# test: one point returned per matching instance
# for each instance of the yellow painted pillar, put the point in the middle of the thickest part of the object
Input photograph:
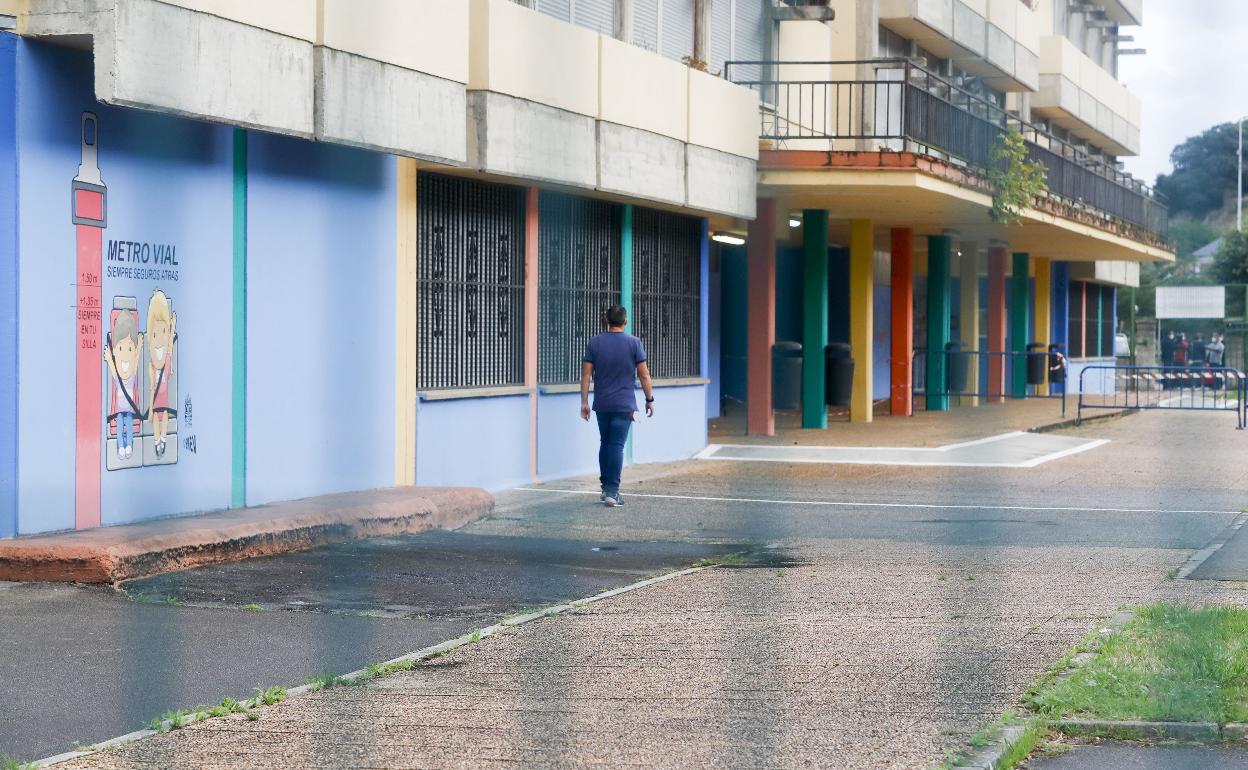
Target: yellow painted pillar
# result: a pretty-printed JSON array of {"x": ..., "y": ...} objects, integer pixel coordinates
[
  {"x": 968, "y": 316},
  {"x": 1044, "y": 298},
  {"x": 861, "y": 317},
  {"x": 405, "y": 326}
]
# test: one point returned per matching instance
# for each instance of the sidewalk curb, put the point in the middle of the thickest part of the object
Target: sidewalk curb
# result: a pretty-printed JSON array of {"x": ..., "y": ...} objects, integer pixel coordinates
[
  {"x": 1074, "y": 422},
  {"x": 1133, "y": 730},
  {"x": 992, "y": 757},
  {"x": 1194, "y": 561},
  {"x": 419, "y": 656}
]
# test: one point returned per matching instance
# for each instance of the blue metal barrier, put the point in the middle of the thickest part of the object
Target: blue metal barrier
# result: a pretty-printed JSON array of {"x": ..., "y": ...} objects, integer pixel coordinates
[
  {"x": 958, "y": 375},
  {"x": 1197, "y": 388}
]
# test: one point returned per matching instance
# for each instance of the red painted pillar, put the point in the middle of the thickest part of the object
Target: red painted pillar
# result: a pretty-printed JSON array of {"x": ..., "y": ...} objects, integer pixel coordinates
[
  {"x": 996, "y": 324},
  {"x": 761, "y": 319},
  {"x": 902, "y": 353}
]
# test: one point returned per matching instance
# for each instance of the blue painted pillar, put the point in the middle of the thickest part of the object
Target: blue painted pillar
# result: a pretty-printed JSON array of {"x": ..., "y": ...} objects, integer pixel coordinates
[
  {"x": 1061, "y": 305},
  {"x": 8, "y": 285},
  {"x": 1020, "y": 333},
  {"x": 939, "y": 248}
]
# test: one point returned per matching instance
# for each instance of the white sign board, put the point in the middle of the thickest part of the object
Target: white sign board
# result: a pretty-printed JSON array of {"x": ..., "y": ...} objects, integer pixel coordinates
[{"x": 1191, "y": 302}]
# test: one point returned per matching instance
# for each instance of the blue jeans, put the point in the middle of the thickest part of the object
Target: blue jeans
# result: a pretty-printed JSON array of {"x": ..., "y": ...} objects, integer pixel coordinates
[
  {"x": 125, "y": 430},
  {"x": 613, "y": 432}
]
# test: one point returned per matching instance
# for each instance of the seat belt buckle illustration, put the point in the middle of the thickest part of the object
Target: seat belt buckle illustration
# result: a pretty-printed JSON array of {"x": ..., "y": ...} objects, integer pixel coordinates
[{"x": 89, "y": 209}]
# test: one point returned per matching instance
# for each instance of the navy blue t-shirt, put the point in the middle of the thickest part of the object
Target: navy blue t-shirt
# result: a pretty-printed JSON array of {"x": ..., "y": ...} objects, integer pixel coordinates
[{"x": 615, "y": 356}]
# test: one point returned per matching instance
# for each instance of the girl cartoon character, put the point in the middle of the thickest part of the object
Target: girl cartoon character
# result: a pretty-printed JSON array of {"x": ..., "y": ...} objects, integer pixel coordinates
[
  {"x": 122, "y": 354},
  {"x": 162, "y": 340}
]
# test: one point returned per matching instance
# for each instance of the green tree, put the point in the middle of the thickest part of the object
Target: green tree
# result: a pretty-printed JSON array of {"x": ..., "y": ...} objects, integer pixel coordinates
[
  {"x": 1231, "y": 263},
  {"x": 1189, "y": 235},
  {"x": 1204, "y": 171}
]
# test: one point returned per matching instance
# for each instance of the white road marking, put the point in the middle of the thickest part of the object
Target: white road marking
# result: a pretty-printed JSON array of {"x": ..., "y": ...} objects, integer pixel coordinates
[{"x": 864, "y": 504}]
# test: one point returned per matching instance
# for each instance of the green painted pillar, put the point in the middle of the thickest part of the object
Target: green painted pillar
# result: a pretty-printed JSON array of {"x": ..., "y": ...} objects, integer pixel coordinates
[
  {"x": 626, "y": 289},
  {"x": 238, "y": 384},
  {"x": 1020, "y": 332},
  {"x": 939, "y": 248},
  {"x": 814, "y": 316}
]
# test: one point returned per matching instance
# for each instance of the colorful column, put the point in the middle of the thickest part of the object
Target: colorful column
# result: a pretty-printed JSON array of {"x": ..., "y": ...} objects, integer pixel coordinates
[
  {"x": 1060, "y": 277},
  {"x": 238, "y": 389},
  {"x": 90, "y": 217},
  {"x": 902, "y": 353},
  {"x": 405, "y": 343},
  {"x": 968, "y": 315},
  {"x": 1019, "y": 331},
  {"x": 939, "y": 248},
  {"x": 814, "y": 317},
  {"x": 1083, "y": 321},
  {"x": 861, "y": 318},
  {"x": 996, "y": 324},
  {"x": 8, "y": 285},
  {"x": 1044, "y": 321},
  {"x": 532, "y": 245},
  {"x": 761, "y": 315}
]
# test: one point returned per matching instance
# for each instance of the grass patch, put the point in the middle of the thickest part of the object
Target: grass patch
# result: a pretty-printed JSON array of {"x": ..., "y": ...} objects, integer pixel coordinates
[
  {"x": 253, "y": 607},
  {"x": 1172, "y": 662},
  {"x": 1033, "y": 733},
  {"x": 8, "y": 763}
]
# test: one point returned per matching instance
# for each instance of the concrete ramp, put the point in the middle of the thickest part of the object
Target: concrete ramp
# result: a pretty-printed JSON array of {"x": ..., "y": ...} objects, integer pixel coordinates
[{"x": 1009, "y": 450}]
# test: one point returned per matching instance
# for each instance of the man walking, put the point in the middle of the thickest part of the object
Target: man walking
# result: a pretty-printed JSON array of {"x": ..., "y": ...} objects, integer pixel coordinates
[{"x": 615, "y": 360}]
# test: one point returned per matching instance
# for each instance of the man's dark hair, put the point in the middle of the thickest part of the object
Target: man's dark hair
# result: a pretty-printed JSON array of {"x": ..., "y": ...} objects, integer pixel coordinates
[{"x": 615, "y": 315}]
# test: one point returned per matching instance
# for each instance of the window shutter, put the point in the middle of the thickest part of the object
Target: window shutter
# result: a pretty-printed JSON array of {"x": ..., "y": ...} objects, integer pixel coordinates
[
  {"x": 598, "y": 15},
  {"x": 677, "y": 41},
  {"x": 721, "y": 31},
  {"x": 646, "y": 24},
  {"x": 560, "y": 9}
]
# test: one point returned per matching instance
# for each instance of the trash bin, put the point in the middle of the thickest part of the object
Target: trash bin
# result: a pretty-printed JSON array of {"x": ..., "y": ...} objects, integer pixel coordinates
[
  {"x": 786, "y": 375},
  {"x": 1037, "y": 364},
  {"x": 958, "y": 361},
  {"x": 839, "y": 373},
  {"x": 1057, "y": 365}
]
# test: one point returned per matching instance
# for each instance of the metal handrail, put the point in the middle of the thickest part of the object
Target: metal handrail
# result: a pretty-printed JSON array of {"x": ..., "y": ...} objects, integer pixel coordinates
[{"x": 1065, "y": 162}]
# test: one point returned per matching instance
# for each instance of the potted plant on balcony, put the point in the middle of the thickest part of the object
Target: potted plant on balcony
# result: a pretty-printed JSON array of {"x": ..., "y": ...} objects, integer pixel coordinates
[{"x": 1017, "y": 182}]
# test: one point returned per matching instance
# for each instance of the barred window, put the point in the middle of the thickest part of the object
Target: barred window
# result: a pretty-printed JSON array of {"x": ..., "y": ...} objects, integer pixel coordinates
[
  {"x": 579, "y": 278},
  {"x": 470, "y": 277},
  {"x": 667, "y": 291}
]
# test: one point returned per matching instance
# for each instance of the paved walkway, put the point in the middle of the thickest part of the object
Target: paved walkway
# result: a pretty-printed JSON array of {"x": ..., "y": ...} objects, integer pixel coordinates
[{"x": 918, "y": 605}]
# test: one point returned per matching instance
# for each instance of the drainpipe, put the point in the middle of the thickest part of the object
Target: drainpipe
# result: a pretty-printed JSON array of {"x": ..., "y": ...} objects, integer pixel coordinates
[
  {"x": 702, "y": 30},
  {"x": 623, "y": 20}
]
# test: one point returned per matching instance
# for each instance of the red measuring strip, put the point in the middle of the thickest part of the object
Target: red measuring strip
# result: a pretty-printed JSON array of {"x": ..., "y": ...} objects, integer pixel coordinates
[{"x": 90, "y": 219}]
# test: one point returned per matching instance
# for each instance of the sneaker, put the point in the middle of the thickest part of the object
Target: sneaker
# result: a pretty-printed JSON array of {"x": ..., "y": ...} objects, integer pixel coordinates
[{"x": 610, "y": 501}]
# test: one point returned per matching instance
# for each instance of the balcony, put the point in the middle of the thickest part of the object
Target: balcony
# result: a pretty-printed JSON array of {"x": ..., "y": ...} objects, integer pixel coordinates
[{"x": 904, "y": 107}]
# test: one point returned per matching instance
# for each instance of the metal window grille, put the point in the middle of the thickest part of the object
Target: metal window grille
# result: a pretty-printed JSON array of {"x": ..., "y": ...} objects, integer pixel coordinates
[
  {"x": 667, "y": 291},
  {"x": 578, "y": 277},
  {"x": 470, "y": 278}
]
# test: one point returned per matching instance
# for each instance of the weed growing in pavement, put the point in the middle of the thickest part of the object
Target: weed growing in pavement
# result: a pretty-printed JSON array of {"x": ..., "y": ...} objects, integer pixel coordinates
[
  {"x": 8, "y": 763},
  {"x": 1172, "y": 574},
  {"x": 172, "y": 601},
  {"x": 253, "y": 607},
  {"x": 268, "y": 697},
  {"x": 171, "y": 720},
  {"x": 941, "y": 578},
  {"x": 1172, "y": 662}
]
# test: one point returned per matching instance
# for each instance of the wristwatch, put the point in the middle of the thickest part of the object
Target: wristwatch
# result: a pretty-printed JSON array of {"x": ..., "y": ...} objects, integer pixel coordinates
[{"x": 650, "y": 400}]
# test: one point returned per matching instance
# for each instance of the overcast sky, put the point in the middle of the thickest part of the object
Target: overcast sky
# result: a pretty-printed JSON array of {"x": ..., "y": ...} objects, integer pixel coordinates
[{"x": 1194, "y": 75}]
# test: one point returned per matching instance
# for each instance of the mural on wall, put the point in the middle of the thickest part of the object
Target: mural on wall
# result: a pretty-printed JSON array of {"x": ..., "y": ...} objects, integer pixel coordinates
[
  {"x": 88, "y": 212},
  {"x": 142, "y": 391}
]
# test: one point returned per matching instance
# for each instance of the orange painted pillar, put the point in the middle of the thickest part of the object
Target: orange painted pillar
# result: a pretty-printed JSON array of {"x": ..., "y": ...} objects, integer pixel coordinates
[
  {"x": 531, "y": 260},
  {"x": 760, "y": 319},
  {"x": 996, "y": 324},
  {"x": 902, "y": 354}
]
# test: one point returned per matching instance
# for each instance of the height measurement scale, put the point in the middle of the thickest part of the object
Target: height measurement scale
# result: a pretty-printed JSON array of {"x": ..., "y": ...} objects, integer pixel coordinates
[{"x": 90, "y": 218}]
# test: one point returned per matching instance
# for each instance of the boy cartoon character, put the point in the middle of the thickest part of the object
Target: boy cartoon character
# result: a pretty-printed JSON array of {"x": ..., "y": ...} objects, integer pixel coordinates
[
  {"x": 122, "y": 354},
  {"x": 162, "y": 340}
]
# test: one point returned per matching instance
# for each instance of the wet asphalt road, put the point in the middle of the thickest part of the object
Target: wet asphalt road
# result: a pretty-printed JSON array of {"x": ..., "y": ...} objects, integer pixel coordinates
[{"x": 88, "y": 664}]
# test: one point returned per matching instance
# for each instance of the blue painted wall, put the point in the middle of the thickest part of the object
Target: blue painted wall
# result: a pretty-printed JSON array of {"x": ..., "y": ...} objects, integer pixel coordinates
[
  {"x": 678, "y": 429},
  {"x": 566, "y": 444},
  {"x": 168, "y": 183},
  {"x": 479, "y": 442},
  {"x": 320, "y": 317},
  {"x": 8, "y": 284}
]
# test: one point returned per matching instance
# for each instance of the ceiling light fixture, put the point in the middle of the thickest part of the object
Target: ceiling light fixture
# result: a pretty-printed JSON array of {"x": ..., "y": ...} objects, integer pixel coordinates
[{"x": 728, "y": 238}]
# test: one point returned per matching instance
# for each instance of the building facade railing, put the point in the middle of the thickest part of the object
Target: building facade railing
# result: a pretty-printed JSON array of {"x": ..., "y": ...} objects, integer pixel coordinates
[{"x": 903, "y": 106}]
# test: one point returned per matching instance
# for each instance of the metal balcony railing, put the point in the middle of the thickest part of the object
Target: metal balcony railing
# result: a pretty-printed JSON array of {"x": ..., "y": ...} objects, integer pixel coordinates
[{"x": 904, "y": 106}]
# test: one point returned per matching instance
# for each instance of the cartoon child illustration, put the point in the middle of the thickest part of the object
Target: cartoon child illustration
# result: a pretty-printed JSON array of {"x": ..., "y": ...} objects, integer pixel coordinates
[
  {"x": 125, "y": 347},
  {"x": 162, "y": 340}
]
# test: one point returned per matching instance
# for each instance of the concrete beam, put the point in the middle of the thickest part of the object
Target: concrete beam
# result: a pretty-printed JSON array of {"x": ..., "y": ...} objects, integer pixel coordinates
[
  {"x": 640, "y": 164},
  {"x": 720, "y": 182},
  {"x": 377, "y": 106},
  {"x": 519, "y": 138}
]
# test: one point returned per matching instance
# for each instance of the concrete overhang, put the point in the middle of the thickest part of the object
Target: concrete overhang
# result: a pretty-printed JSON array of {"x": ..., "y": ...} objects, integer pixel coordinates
[
  {"x": 268, "y": 71},
  {"x": 929, "y": 205}
]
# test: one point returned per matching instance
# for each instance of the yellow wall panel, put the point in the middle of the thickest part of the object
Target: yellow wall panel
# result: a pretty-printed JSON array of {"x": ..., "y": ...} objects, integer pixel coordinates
[
  {"x": 722, "y": 116},
  {"x": 293, "y": 18},
  {"x": 643, "y": 90},
  {"x": 429, "y": 36}
]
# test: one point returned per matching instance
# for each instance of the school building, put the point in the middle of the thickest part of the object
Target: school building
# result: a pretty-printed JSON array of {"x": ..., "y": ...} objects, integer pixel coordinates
[{"x": 253, "y": 252}]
